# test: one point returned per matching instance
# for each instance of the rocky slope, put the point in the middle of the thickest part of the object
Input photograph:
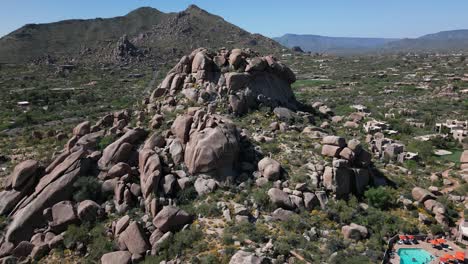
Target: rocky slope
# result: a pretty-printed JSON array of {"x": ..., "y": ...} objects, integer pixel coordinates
[
  {"x": 143, "y": 164},
  {"x": 156, "y": 34}
]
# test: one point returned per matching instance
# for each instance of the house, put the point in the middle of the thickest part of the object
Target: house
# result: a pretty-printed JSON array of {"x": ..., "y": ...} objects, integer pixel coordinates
[
  {"x": 458, "y": 129},
  {"x": 463, "y": 231},
  {"x": 374, "y": 126}
]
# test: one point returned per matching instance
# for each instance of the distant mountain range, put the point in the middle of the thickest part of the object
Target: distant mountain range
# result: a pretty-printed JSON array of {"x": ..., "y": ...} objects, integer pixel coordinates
[
  {"x": 446, "y": 41},
  {"x": 160, "y": 35}
]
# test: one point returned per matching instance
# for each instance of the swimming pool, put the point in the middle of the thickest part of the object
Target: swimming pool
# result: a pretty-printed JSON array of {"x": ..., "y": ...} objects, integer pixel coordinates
[{"x": 414, "y": 256}]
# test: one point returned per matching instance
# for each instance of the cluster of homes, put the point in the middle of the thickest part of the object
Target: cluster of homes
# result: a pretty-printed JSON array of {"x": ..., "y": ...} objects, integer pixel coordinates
[{"x": 458, "y": 129}]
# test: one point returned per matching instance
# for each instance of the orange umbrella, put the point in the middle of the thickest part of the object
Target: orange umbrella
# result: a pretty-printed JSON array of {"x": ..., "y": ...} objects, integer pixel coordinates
[
  {"x": 460, "y": 255},
  {"x": 441, "y": 241},
  {"x": 411, "y": 237},
  {"x": 402, "y": 237},
  {"x": 434, "y": 242},
  {"x": 442, "y": 259},
  {"x": 448, "y": 256}
]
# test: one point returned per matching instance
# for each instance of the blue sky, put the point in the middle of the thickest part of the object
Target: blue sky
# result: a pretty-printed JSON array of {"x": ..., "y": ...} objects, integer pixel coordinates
[{"x": 365, "y": 18}]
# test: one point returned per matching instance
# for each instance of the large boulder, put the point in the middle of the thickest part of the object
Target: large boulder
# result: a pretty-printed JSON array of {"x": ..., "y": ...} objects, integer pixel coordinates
[
  {"x": 150, "y": 171},
  {"x": 280, "y": 199},
  {"x": 354, "y": 231},
  {"x": 181, "y": 127},
  {"x": 134, "y": 238},
  {"x": 55, "y": 187},
  {"x": 334, "y": 141},
  {"x": 171, "y": 218},
  {"x": 331, "y": 151},
  {"x": 63, "y": 215},
  {"x": 270, "y": 169},
  {"x": 236, "y": 81},
  {"x": 273, "y": 87},
  {"x": 120, "y": 150},
  {"x": 23, "y": 172},
  {"x": 8, "y": 200},
  {"x": 117, "y": 257},
  {"x": 421, "y": 195},
  {"x": 201, "y": 62},
  {"x": 88, "y": 211},
  {"x": 213, "y": 150},
  {"x": 284, "y": 114},
  {"x": 82, "y": 129},
  {"x": 205, "y": 186}
]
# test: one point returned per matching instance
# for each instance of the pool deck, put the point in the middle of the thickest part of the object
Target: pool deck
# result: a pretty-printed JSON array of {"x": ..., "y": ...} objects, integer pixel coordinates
[{"x": 428, "y": 247}]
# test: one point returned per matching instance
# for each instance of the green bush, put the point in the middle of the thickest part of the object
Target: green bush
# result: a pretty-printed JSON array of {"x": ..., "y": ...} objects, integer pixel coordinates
[
  {"x": 209, "y": 210},
  {"x": 382, "y": 197},
  {"x": 87, "y": 188},
  {"x": 256, "y": 232},
  {"x": 75, "y": 234},
  {"x": 104, "y": 142},
  {"x": 94, "y": 239},
  {"x": 187, "y": 195},
  {"x": 184, "y": 243}
]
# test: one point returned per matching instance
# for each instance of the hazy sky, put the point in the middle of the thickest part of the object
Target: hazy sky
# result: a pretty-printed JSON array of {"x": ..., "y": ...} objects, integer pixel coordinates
[{"x": 365, "y": 18}]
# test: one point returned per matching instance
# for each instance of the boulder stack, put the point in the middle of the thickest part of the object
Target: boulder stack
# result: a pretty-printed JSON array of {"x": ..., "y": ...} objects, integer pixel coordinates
[{"x": 247, "y": 78}]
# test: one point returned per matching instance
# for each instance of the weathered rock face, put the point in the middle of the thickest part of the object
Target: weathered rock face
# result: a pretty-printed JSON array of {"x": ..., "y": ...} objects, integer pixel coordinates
[
  {"x": 120, "y": 150},
  {"x": 23, "y": 173},
  {"x": 181, "y": 127},
  {"x": 280, "y": 199},
  {"x": 354, "y": 231},
  {"x": 63, "y": 215},
  {"x": 270, "y": 169},
  {"x": 171, "y": 219},
  {"x": 117, "y": 257},
  {"x": 53, "y": 188},
  {"x": 134, "y": 239},
  {"x": 421, "y": 195},
  {"x": 249, "y": 79},
  {"x": 213, "y": 149}
]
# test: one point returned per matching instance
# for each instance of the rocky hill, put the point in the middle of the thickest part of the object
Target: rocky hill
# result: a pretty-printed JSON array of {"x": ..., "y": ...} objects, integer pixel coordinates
[
  {"x": 156, "y": 34},
  {"x": 185, "y": 173}
]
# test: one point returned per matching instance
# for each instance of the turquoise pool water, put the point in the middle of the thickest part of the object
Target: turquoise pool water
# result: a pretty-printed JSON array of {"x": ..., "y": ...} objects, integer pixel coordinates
[{"x": 414, "y": 256}]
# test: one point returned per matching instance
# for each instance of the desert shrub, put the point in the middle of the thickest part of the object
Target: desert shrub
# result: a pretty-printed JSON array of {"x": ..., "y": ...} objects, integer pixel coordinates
[
  {"x": 99, "y": 244},
  {"x": 104, "y": 142},
  {"x": 437, "y": 229},
  {"x": 209, "y": 210},
  {"x": 382, "y": 197},
  {"x": 261, "y": 198},
  {"x": 184, "y": 243},
  {"x": 75, "y": 234},
  {"x": 94, "y": 239},
  {"x": 87, "y": 188},
  {"x": 341, "y": 211},
  {"x": 256, "y": 232},
  {"x": 187, "y": 195}
]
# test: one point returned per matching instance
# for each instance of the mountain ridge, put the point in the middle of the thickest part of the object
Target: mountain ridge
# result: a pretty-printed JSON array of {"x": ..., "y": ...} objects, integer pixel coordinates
[
  {"x": 162, "y": 35},
  {"x": 443, "y": 41}
]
